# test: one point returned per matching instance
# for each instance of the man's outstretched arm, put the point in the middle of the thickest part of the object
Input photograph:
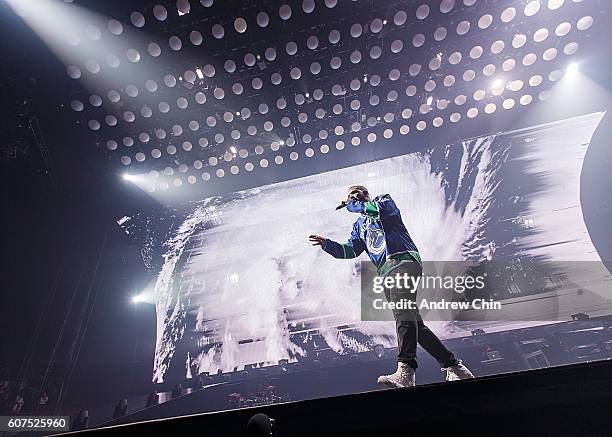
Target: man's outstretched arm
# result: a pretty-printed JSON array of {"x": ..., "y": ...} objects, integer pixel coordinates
[{"x": 350, "y": 249}]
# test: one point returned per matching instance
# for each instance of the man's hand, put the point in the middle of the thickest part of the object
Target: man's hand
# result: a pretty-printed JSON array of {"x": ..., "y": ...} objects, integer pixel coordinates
[{"x": 316, "y": 240}]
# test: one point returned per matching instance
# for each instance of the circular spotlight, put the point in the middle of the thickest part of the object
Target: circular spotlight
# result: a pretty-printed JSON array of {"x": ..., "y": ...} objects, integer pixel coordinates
[
  {"x": 160, "y": 12},
  {"x": 137, "y": 19},
  {"x": 115, "y": 27},
  {"x": 240, "y": 25},
  {"x": 263, "y": 19}
]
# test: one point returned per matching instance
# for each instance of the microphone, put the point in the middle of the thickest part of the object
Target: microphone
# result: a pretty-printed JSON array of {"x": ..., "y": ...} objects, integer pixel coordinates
[{"x": 342, "y": 205}]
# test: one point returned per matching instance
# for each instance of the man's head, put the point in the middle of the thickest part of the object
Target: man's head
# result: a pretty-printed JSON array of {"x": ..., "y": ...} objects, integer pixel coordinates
[{"x": 358, "y": 192}]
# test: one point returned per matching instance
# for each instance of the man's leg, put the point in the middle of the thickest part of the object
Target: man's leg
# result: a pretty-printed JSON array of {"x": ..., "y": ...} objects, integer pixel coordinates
[
  {"x": 404, "y": 376},
  {"x": 410, "y": 330},
  {"x": 434, "y": 347},
  {"x": 406, "y": 325},
  {"x": 453, "y": 367},
  {"x": 407, "y": 321},
  {"x": 407, "y": 337}
]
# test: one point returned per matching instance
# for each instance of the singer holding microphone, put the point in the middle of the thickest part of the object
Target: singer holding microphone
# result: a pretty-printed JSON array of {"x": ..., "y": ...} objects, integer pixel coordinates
[{"x": 380, "y": 231}]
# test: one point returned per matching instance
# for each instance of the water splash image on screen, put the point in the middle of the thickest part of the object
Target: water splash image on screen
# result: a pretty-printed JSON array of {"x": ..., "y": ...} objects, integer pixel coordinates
[{"x": 238, "y": 283}]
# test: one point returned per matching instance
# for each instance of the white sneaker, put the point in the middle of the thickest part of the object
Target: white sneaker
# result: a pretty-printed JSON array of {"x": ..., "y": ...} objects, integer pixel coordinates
[
  {"x": 457, "y": 372},
  {"x": 403, "y": 377}
]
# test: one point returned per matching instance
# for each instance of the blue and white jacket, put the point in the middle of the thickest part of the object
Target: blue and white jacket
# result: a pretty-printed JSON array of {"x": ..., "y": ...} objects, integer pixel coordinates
[{"x": 379, "y": 231}]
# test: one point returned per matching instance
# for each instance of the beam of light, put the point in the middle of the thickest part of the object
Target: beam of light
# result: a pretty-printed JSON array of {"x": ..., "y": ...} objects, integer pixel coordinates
[
  {"x": 145, "y": 296},
  {"x": 574, "y": 93},
  {"x": 572, "y": 69},
  {"x": 137, "y": 179},
  {"x": 73, "y": 33},
  {"x": 144, "y": 181},
  {"x": 138, "y": 298},
  {"x": 77, "y": 37}
]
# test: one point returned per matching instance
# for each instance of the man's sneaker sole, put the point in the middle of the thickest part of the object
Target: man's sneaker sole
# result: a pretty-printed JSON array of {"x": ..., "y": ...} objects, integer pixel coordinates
[{"x": 390, "y": 384}]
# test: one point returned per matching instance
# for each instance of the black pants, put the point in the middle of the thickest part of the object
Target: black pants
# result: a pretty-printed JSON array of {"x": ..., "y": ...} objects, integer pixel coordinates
[{"x": 409, "y": 324}]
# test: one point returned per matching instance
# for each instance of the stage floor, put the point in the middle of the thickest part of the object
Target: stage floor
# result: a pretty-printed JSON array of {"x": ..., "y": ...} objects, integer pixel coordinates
[{"x": 571, "y": 400}]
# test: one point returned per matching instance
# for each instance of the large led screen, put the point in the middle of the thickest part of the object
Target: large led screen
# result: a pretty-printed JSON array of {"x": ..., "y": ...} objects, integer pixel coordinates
[{"x": 238, "y": 283}]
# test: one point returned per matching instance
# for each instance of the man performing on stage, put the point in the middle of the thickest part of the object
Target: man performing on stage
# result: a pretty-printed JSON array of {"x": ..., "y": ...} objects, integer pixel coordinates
[{"x": 381, "y": 233}]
